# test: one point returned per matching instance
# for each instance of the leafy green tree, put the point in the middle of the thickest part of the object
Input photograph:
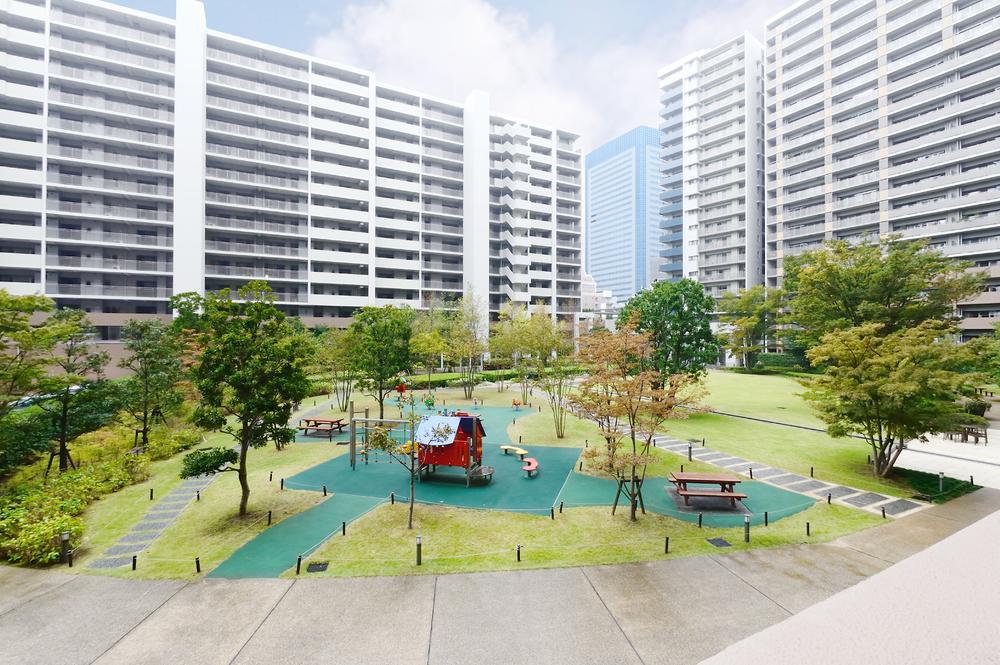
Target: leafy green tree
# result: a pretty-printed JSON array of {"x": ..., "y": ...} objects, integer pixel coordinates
[
  {"x": 466, "y": 343},
  {"x": 250, "y": 372},
  {"x": 428, "y": 346},
  {"x": 750, "y": 319},
  {"x": 510, "y": 340},
  {"x": 891, "y": 388},
  {"x": 383, "y": 349},
  {"x": 678, "y": 315},
  {"x": 897, "y": 284},
  {"x": 75, "y": 396},
  {"x": 154, "y": 361},
  {"x": 335, "y": 361},
  {"x": 25, "y": 346},
  {"x": 551, "y": 347}
]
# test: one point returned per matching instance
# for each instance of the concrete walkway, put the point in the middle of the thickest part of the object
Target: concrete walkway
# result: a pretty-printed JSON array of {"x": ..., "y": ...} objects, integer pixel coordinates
[
  {"x": 956, "y": 459},
  {"x": 849, "y": 496},
  {"x": 673, "y": 611},
  {"x": 159, "y": 516}
]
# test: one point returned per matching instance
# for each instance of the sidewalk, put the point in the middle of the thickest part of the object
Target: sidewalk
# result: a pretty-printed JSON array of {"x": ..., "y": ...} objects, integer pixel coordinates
[
  {"x": 956, "y": 459},
  {"x": 673, "y": 611}
]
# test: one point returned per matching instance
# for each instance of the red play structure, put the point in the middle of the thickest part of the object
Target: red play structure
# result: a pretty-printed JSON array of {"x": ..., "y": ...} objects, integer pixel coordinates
[{"x": 455, "y": 441}]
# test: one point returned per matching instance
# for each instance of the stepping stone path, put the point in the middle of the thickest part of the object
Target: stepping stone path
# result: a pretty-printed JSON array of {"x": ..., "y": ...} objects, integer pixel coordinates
[
  {"x": 868, "y": 501},
  {"x": 159, "y": 516}
]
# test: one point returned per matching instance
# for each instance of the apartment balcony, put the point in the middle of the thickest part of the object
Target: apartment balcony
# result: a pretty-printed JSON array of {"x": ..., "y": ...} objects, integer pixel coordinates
[
  {"x": 943, "y": 227},
  {"x": 804, "y": 230},
  {"x": 240, "y": 83},
  {"x": 945, "y": 157},
  {"x": 802, "y": 212},
  {"x": 99, "y": 156},
  {"x": 855, "y": 200},
  {"x": 970, "y": 247},
  {"x": 256, "y": 156},
  {"x": 259, "y": 133},
  {"x": 109, "y": 237},
  {"x": 98, "y": 102},
  {"x": 984, "y": 28},
  {"x": 109, "y": 265},
  {"x": 103, "y": 27},
  {"x": 870, "y": 157},
  {"x": 852, "y": 221},
  {"x": 942, "y": 181},
  {"x": 255, "y": 272},
  {"x": 259, "y": 64},
  {"x": 257, "y": 110},
  {"x": 253, "y": 249},
  {"x": 254, "y": 225},
  {"x": 914, "y": 36},
  {"x": 948, "y": 202},
  {"x": 260, "y": 179},
  {"x": 101, "y": 291},
  {"x": 91, "y": 183},
  {"x": 857, "y": 180},
  {"x": 949, "y": 111},
  {"x": 100, "y": 77},
  {"x": 255, "y": 202},
  {"x": 120, "y": 212},
  {"x": 102, "y": 130},
  {"x": 161, "y": 63}
]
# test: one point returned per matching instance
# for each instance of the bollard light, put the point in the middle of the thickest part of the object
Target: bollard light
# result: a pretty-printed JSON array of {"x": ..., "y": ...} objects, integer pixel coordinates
[
  {"x": 746, "y": 528},
  {"x": 419, "y": 547}
]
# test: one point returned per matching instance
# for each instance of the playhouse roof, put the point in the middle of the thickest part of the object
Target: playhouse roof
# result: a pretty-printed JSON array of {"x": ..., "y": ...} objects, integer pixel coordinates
[
  {"x": 431, "y": 430},
  {"x": 425, "y": 434}
]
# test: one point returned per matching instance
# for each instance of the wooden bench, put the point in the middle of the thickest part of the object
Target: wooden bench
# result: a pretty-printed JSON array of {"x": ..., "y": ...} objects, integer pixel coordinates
[
  {"x": 732, "y": 496},
  {"x": 319, "y": 430},
  {"x": 521, "y": 452},
  {"x": 530, "y": 465}
]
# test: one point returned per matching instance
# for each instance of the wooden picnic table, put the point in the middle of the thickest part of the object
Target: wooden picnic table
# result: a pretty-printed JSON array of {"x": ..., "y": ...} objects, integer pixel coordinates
[
  {"x": 321, "y": 426},
  {"x": 726, "y": 483}
]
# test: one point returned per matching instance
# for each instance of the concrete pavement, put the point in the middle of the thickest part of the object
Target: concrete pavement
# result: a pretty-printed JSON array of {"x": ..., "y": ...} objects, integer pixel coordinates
[{"x": 674, "y": 611}]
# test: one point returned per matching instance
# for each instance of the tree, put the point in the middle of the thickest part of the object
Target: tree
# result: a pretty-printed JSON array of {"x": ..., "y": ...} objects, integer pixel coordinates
[
  {"x": 510, "y": 340},
  {"x": 890, "y": 282},
  {"x": 25, "y": 347},
  {"x": 382, "y": 352},
  {"x": 250, "y": 372},
  {"x": 336, "y": 362},
  {"x": 74, "y": 395},
  {"x": 154, "y": 360},
  {"x": 466, "y": 343},
  {"x": 751, "y": 319},
  {"x": 892, "y": 388},
  {"x": 407, "y": 452},
  {"x": 629, "y": 401},
  {"x": 428, "y": 346},
  {"x": 551, "y": 347},
  {"x": 678, "y": 316}
]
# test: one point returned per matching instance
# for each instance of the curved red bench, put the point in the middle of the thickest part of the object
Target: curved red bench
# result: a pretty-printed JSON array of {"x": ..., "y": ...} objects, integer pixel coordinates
[{"x": 530, "y": 465}]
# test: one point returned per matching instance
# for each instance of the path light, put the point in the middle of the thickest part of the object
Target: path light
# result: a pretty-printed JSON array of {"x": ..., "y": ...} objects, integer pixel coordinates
[{"x": 419, "y": 547}]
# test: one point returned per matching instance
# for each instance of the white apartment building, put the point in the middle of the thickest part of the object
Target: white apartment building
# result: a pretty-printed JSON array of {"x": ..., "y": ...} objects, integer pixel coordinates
[
  {"x": 712, "y": 133},
  {"x": 142, "y": 156},
  {"x": 883, "y": 116}
]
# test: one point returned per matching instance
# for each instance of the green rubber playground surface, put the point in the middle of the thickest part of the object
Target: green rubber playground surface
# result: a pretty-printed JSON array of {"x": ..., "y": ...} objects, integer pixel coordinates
[
  {"x": 275, "y": 550},
  {"x": 659, "y": 497},
  {"x": 510, "y": 489}
]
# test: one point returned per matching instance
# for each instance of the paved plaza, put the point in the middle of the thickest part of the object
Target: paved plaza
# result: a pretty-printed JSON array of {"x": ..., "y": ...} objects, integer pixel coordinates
[{"x": 674, "y": 611}]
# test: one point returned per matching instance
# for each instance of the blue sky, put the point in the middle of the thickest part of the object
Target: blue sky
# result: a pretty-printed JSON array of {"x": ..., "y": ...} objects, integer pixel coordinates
[{"x": 585, "y": 65}]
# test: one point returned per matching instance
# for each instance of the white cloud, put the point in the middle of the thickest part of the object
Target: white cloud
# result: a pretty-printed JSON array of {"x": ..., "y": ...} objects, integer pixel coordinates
[{"x": 451, "y": 47}]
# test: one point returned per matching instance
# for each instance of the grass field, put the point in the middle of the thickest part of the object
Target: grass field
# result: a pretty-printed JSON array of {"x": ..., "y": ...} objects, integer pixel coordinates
[{"x": 462, "y": 540}]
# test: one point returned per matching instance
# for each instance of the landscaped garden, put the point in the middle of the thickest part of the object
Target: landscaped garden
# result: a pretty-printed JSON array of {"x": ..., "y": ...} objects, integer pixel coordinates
[{"x": 243, "y": 445}]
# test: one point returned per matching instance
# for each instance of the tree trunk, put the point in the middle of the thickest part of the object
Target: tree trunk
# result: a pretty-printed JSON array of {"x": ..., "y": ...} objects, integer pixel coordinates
[
  {"x": 244, "y": 482},
  {"x": 63, "y": 436},
  {"x": 409, "y": 523},
  {"x": 632, "y": 499}
]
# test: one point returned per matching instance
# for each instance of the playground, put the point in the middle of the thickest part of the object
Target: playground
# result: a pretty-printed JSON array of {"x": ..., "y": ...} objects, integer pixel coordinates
[{"x": 558, "y": 483}]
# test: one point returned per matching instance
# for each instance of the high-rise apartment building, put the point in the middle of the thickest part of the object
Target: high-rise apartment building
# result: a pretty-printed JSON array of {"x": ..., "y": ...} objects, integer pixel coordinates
[
  {"x": 712, "y": 133},
  {"x": 142, "y": 156},
  {"x": 883, "y": 117},
  {"x": 623, "y": 221}
]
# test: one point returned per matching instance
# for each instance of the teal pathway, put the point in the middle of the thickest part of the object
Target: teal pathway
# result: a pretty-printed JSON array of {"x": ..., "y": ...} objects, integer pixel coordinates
[
  {"x": 659, "y": 497},
  {"x": 275, "y": 550}
]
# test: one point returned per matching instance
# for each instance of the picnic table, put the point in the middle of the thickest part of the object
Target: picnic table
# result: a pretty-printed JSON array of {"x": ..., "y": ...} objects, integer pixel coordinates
[
  {"x": 321, "y": 426},
  {"x": 726, "y": 484}
]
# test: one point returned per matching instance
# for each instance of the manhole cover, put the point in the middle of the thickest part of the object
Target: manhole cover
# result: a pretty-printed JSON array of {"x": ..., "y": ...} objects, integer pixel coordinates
[
  {"x": 317, "y": 567},
  {"x": 719, "y": 542}
]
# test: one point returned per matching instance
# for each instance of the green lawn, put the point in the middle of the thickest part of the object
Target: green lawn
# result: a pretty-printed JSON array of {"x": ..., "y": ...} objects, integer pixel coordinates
[
  {"x": 463, "y": 540},
  {"x": 770, "y": 397},
  {"x": 210, "y": 528}
]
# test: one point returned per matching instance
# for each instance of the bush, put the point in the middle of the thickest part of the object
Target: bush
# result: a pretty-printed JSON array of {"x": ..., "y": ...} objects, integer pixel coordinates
[
  {"x": 777, "y": 360},
  {"x": 164, "y": 445},
  {"x": 33, "y": 515}
]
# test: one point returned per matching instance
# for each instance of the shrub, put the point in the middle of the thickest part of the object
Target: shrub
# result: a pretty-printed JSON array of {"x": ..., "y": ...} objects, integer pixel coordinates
[
  {"x": 164, "y": 445},
  {"x": 32, "y": 516}
]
